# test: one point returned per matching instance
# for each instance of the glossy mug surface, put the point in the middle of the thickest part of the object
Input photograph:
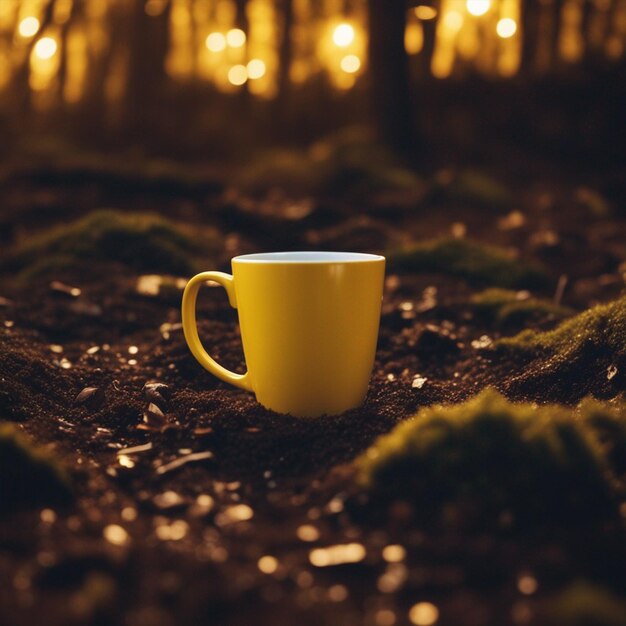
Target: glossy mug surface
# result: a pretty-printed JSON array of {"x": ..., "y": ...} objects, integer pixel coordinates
[{"x": 309, "y": 326}]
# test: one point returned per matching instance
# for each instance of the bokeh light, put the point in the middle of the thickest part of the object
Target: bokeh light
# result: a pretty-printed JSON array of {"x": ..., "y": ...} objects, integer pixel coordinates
[
  {"x": 506, "y": 27},
  {"x": 215, "y": 42},
  {"x": 28, "y": 27},
  {"x": 235, "y": 38},
  {"x": 350, "y": 63},
  {"x": 256, "y": 69},
  {"x": 343, "y": 35},
  {"x": 237, "y": 75},
  {"x": 453, "y": 20},
  {"x": 424, "y": 12},
  {"x": 478, "y": 7},
  {"x": 423, "y": 614},
  {"x": 45, "y": 48}
]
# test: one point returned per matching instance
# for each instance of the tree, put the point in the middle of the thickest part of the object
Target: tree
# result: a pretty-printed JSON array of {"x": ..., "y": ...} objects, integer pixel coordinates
[{"x": 389, "y": 75}]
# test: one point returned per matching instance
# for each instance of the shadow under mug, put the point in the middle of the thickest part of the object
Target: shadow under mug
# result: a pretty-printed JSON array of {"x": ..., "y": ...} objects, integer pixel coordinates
[{"x": 309, "y": 325}]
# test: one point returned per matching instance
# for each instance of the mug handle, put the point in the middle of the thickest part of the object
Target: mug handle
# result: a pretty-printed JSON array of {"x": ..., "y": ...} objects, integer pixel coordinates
[{"x": 191, "y": 331}]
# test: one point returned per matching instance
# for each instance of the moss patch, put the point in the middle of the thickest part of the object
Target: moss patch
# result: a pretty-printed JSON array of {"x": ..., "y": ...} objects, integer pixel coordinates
[
  {"x": 507, "y": 308},
  {"x": 478, "y": 188},
  {"x": 585, "y": 355},
  {"x": 348, "y": 162},
  {"x": 141, "y": 241},
  {"x": 477, "y": 263},
  {"x": 490, "y": 455},
  {"x": 585, "y": 604},
  {"x": 30, "y": 475},
  {"x": 608, "y": 422},
  {"x": 603, "y": 326}
]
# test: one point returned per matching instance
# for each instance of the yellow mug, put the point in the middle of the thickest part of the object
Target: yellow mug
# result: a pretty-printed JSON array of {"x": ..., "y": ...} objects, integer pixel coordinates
[{"x": 309, "y": 326}]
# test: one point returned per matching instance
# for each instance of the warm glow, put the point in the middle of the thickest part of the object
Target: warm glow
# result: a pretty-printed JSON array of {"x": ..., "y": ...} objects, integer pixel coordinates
[
  {"x": 337, "y": 554},
  {"x": 423, "y": 614},
  {"x": 478, "y": 7},
  {"x": 28, "y": 27},
  {"x": 235, "y": 38},
  {"x": 506, "y": 28},
  {"x": 154, "y": 8},
  {"x": 45, "y": 48},
  {"x": 237, "y": 75},
  {"x": 256, "y": 69},
  {"x": 413, "y": 38},
  {"x": 215, "y": 42},
  {"x": 424, "y": 12},
  {"x": 350, "y": 63},
  {"x": 453, "y": 20},
  {"x": 267, "y": 564},
  {"x": 343, "y": 35}
]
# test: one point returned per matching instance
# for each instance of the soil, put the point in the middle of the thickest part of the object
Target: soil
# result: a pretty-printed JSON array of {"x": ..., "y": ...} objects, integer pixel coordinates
[{"x": 198, "y": 535}]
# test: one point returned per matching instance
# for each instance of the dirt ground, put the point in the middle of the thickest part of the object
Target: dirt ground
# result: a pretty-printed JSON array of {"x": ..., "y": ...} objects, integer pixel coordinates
[{"x": 228, "y": 534}]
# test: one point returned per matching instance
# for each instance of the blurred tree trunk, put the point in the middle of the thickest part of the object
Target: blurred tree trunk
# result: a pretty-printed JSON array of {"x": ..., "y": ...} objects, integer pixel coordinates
[
  {"x": 530, "y": 36},
  {"x": 148, "y": 42},
  {"x": 93, "y": 105},
  {"x": 64, "y": 57},
  {"x": 389, "y": 76},
  {"x": 555, "y": 33},
  {"x": 429, "y": 28},
  {"x": 285, "y": 53}
]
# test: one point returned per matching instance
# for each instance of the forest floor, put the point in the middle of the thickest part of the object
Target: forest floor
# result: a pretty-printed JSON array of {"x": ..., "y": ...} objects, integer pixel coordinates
[{"x": 191, "y": 503}]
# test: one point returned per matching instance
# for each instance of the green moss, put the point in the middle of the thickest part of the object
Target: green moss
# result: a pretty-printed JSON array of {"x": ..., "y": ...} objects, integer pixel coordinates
[
  {"x": 608, "y": 423},
  {"x": 593, "y": 202},
  {"x": 585, "y": 604},
  {"x": 142, "y": 241},
  {"x": 475, "y": 262},
  {"x": 602, "y": 328},
  {"x": 348, "y": 162},
  {"x": 95, "y": 602},
  {"x": 506, "y": 308},
  {"x": 30, "y": 475},
  {"x": 478, "y": 189},
  {"x": 491, "y": 455}
]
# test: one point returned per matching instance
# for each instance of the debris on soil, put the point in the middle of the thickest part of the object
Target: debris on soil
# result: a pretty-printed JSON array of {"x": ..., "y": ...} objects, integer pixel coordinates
[{"x": 490, "y": 456}]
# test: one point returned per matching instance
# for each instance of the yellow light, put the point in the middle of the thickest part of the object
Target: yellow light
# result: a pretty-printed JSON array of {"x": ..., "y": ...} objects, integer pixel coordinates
[
  {"x": 267, "y": 564},
  {"x": 423, "y": 614},
  {"x": 28, "y": 27},
  {"x": 506, "y": 28},
  {"x": 235, "y": 38},
  {"x": 425, "y": 13},
  {"x": 256, "y": 68},
  {"x": 337, "y": 554},
  {"x": 237, "y": 75},
  {"x": 453, "y": 20},
  {"x": 45, "y": 48},
  {"x": 413, "y": 38},
  {"x": 215, "y": 42},
  {"x": 478, "y": 7},
  {"x": 343, "y": 35},
  {"x": 350, "y": 63}
]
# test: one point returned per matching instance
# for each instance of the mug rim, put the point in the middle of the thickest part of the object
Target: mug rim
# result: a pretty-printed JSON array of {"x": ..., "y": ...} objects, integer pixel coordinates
[{"x": 308, "y": 257}]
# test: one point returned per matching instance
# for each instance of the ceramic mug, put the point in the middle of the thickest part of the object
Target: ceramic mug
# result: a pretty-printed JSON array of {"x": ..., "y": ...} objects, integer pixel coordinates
[{"x": 309, "y": 326}]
